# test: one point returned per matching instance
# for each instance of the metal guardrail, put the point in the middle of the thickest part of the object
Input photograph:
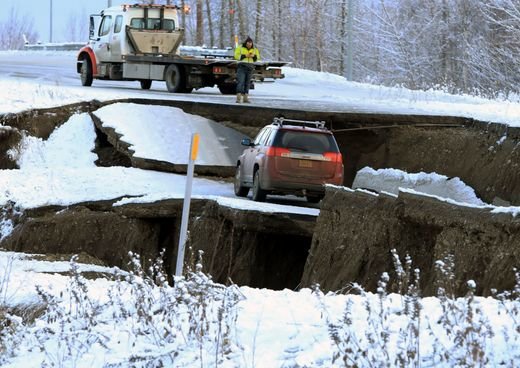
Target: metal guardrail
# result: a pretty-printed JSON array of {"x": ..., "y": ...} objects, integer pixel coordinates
[{"x": 66, "y": 46}]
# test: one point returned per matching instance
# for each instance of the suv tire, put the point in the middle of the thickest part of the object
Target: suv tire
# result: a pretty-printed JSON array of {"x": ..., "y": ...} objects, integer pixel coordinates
[
  {"x": 240, "y": 191},
  {"x": 258, "y": 193}
]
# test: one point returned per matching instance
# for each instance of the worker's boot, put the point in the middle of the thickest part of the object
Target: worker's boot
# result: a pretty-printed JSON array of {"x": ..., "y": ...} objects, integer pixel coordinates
[
  {"x": 246, "y": 98},
  {"x": 239, "y": 97}
]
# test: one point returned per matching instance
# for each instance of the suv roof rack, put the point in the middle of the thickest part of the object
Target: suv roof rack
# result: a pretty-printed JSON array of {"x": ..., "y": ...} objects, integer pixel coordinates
[{"x": 303, "y": 123}]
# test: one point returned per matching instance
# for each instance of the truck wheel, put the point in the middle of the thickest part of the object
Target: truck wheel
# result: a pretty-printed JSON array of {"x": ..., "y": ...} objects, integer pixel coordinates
[
  {"x": 86, "y": 72},
  {"x": 145, "y": 83},
  {"x": 175, "y": 79},
  {"x": 227, "y": 88}
]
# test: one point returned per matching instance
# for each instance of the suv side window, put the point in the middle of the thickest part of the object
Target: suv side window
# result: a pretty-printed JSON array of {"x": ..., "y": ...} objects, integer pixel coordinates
[
  {"x": 265, "y": 137},
  {"x": 260, "y": 137},
  {"x": 268, "y": 136}
]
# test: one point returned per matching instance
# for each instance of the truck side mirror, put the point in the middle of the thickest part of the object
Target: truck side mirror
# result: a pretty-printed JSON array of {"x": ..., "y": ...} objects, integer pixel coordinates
[
  {"x": 95, "y": 19},
  {"x": 91, "y": 28}
]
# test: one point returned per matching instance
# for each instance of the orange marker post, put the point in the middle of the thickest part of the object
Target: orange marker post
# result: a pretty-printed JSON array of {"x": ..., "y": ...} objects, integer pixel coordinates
[{"x": 194, "y": 150}]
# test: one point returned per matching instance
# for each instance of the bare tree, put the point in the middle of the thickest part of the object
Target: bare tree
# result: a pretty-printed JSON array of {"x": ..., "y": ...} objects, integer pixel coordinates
[
  {"x": 232, "y": 10},
  {"x": 76, "y": 28},
  {"x": 14, "y": 29},
  {"x": 242, "y": 16},
  {"x": 221, "y": 28},
  {"x": 183, "y": 14},
  {"x": 258, "y": 20},
  {"x": 210, "y": 24},
  {"x": 199, "y": 39}
]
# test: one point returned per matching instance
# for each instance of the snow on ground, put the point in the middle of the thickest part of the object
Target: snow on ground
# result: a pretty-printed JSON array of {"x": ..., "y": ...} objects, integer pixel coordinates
[
  {"x": 268, "y": 328},
  {"x": 316, "y": 90},
  {"x": 271, "y": 328}
]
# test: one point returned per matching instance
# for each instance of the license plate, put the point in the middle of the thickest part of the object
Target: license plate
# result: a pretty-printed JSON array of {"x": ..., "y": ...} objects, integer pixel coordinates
[{"x": 304, "y": 163}]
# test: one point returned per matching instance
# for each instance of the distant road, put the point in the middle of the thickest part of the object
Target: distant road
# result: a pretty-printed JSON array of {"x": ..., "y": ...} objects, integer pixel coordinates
[
  {"x": 39, "y": 65},
  {"x": 59, "y": 68}
]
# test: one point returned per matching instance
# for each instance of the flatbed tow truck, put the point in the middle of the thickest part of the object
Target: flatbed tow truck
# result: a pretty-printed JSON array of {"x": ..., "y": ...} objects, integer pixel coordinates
[{"x": 141, "y": 42}]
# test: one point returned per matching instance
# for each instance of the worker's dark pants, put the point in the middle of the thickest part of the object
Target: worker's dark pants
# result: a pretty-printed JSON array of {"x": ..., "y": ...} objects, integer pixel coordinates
[{"x": 244, "y": 74}]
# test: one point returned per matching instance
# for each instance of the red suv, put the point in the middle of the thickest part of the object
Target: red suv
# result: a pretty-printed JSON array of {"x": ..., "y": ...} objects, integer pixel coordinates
[{"x": 289, "y": 157}]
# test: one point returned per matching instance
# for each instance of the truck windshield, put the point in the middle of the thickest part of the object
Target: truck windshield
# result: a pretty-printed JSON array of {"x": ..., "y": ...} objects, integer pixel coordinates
[{"x": 152, "y": 23}]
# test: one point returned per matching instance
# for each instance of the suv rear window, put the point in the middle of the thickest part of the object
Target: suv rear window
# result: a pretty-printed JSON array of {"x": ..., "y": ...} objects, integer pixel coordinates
[{"x": 305, "y": 141}]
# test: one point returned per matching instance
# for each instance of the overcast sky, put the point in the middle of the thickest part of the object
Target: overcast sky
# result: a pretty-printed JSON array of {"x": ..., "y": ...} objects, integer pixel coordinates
[{"x": 63, "y": 10}]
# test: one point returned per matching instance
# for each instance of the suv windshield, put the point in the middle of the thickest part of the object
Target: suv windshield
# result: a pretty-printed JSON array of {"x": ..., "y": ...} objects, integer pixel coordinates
[{"x": 305, "y": 141}]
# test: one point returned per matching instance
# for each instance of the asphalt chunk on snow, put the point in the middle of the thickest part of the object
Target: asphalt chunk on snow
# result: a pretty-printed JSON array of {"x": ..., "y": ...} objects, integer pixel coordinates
[
  {"x": 432, "y": 184},
  {"x": 164, "y": 133}
]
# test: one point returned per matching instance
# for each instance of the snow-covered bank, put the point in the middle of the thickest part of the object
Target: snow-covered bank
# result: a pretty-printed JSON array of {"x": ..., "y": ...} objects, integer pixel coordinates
[{"x": 135, "y": 322}]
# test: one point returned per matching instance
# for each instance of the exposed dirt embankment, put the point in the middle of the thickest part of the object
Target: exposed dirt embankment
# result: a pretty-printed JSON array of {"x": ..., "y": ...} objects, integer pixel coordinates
[
  {"x": 253, "y": 248},
  {"x": 356, "y": 231},
  {"x": 38, "y": 123},
  {"x": 484, "y": 156},
  {"x": 248, "y": 247}
]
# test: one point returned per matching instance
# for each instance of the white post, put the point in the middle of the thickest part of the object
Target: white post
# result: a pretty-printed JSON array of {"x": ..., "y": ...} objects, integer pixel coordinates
[
  {"x": 50, "y": 23},
  {"x": 183, "y": 235}
]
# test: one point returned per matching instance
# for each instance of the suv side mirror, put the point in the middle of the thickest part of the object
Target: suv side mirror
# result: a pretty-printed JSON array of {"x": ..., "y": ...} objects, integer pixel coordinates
[{"x": 246, "y": 142}]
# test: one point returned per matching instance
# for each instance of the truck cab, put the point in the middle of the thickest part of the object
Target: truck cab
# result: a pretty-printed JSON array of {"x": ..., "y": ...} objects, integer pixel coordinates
[{"x": 125, "y": 30}]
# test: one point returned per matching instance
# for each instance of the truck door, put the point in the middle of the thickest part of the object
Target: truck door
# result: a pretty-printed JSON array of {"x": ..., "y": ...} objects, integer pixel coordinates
[
  {"x": 117, "y": 39},
  {"x": 103, "y": 46},
  {"x": 111, "y": 36}
]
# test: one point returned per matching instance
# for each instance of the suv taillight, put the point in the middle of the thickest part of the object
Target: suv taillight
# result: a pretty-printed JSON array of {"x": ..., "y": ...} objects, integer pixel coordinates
[
  {"x": 277, "y": 152},
  {"x": 333, "y": 157}
]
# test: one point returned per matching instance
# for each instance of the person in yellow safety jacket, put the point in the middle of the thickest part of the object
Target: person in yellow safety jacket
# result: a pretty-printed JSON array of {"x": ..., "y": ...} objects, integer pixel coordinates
[{"x": 246, "y": 54}]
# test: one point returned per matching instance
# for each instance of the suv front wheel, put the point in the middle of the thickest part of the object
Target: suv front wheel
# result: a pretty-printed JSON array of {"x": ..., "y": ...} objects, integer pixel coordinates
[{"x": 258, "y": 193}]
